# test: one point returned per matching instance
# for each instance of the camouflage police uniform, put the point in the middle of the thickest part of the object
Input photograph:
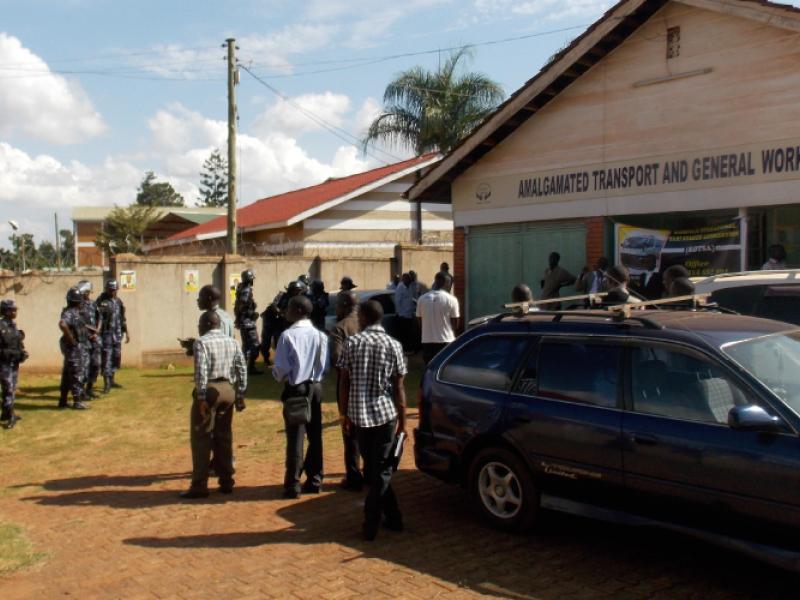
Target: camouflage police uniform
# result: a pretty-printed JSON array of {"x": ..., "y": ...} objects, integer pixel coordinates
[
  {"x": 12, "y": 353},
  {"x": 245, "y": 314},
  {"x": 112, "y": 327},
  {"x": 93, "y": 349},
  {"x": 72, "y": 373}
]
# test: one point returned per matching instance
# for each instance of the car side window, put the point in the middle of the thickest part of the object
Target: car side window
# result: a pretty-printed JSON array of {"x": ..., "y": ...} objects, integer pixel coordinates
[
  {"x": 677, "y": 384},
  {"x": 781, "y": 303},
  {"x": 579, "y": 372},
  {"x": 741, "y": 299},
  {"x": 487, "y": 362},
  {"x": 527, "y": 381}
]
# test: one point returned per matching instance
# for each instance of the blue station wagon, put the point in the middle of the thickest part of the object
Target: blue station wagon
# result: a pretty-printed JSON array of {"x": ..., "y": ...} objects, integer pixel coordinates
[{"x": 677, "y": 418}]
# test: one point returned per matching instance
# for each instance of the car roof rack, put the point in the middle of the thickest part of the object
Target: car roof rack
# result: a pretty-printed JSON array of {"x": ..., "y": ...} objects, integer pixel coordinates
[
  {"x": 696, "y": 300},
  {"x": 523, "y": 308}
]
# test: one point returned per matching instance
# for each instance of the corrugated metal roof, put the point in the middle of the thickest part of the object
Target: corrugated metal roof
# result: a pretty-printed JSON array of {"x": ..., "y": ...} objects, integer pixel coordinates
[
  {"x": 196, "y": 214},
  {"x": 285, "y": 207}
]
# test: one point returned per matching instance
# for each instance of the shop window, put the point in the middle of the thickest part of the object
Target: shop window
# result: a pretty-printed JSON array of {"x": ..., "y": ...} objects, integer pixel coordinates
[{"x": 673, "y": 42}]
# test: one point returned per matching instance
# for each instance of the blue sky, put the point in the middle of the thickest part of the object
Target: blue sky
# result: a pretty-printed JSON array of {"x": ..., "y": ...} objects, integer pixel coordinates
[{"x": 95, "y": 92}]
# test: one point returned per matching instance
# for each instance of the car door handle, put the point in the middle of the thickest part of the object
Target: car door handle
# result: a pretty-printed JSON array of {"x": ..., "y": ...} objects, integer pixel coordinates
[{"x": 643, "y": 439}]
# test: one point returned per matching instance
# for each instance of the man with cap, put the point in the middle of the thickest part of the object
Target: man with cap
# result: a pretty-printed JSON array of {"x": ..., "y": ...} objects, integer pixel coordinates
[
  {"x": 245, "y": 315},
  {"x": 93, "y": 350},
  {"x": 346, "y": 284},
  {"x": 275, "y": 314},
  {"x": 112, "y": 327},
  {"x": 220, "y": 377},
  {"x": 74, "y": 337},
  {"x": 12, "y": 354}
]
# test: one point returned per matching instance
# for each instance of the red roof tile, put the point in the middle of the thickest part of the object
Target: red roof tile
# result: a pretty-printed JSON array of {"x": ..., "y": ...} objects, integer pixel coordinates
[{"x": 282, "y": 208}]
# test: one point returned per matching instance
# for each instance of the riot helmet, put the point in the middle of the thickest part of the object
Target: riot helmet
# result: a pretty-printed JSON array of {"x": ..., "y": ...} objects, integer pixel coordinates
[
  {"x": 6, "y": 306},
  {"x": 295, "y": 288},
  {"x": 248, "y": 276},
  {"x": 112, "y": 285},
  {"x": 84, "y": 286},
  {"x": 303, "y": 279},
  {"x": 74, "y": 296}
]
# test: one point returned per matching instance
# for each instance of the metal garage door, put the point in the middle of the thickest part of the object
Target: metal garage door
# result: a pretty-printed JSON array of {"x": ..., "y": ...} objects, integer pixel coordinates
[{"x": 501, "y": 256}]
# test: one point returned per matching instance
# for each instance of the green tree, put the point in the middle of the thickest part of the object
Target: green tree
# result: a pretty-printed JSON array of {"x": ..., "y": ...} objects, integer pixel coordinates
[
  {"x": 433, "y": 110},
  {"x": 161, "y": 193},
  {"x": 124, "y": 228},
  {"x": 214, "y": 181},
  {"x": 67, "y": 248}
]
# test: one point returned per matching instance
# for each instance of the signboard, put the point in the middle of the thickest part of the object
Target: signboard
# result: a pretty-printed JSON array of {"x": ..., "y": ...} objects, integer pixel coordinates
[
  {"x": 127, "y": 281},
  {"x": 739, "y": 165},
  {"x": 191, "y": 281},
  {"x": 704, "y": 251},
  {"x": 234, "y": 281}
]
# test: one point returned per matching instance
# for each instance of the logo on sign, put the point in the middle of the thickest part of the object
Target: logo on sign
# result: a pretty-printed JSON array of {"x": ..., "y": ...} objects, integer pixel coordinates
[{"x": 483, "y": 193}]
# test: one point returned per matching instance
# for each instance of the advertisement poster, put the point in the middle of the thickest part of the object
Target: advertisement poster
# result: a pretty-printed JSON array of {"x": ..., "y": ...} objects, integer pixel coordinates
[
  {"x": 127, "y": 281},
  {"x": 639, "y": 249},
  {"x": 704, "y": 251},
  {"x": 191, "y": 281},
  {"x": 234, "y": 282}
]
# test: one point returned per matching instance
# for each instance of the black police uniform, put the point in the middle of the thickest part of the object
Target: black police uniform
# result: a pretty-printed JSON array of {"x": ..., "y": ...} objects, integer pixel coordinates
[
  {"x": 12, "y": 354},
  {"x": 245, "y": 315}
]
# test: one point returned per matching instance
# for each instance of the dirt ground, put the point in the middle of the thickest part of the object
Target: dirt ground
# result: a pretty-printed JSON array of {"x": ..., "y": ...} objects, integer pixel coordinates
[{"x": 96, "y": 496}]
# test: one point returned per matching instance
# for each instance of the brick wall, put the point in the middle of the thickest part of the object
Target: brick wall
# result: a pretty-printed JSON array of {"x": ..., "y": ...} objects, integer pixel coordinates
[
  {"x": 595, "y": 239},
  {"x": 459, "y": 267}
]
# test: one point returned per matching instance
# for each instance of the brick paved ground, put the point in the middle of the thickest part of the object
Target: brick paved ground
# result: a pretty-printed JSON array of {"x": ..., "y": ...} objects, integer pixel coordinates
[{"x": 119, "y": 531}]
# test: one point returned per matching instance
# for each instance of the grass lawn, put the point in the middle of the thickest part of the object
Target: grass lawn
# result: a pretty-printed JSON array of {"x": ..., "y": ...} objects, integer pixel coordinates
[{"x": 148, "y": 419}]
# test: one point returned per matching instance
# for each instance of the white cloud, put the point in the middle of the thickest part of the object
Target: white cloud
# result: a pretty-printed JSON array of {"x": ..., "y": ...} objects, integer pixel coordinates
[
  {"x": 271, "y": 52},
  {"x": 32, "y": 188},
  {"x": 551, "y": 10},
  {"x": 369, "y": 111},
  {"x": 38, "y": 103},
  {"x": 285, "y": 117}
]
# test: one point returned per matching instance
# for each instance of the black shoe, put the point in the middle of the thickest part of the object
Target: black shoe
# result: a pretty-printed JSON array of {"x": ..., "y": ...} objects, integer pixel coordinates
[
  {"x": 191, "y": 494},
  {"x": 254, "y": 371},
  {"x": 106, "y": 386},
  {"x": 5, "y": 414},
  {"x": 291, "y": 494},
  {"x": 395, "y": 524},
  {"x": 226, "y": 489},
  {"x": 12, "y": 421},
  {"x": 78, "y": 405},
  {"x": 91, "y": 394},
  {"x": 63, "y": 404},
  {"x": 370, "y": 531},
  {"x": 310, "y": 488},
  {"x": 351, "y": 486},
  {"x": 115, "y": 385}
]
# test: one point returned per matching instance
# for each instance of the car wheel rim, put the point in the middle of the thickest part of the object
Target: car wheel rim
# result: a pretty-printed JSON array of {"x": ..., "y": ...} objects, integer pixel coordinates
[{"x": 500, "y": 490}]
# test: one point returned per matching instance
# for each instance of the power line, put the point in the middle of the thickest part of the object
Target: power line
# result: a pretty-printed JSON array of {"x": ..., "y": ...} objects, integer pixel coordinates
[{"x": 340, "y": 133}]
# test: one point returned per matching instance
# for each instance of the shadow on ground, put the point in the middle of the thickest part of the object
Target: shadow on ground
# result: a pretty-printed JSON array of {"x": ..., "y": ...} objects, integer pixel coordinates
[{"x": 565, "y": 556}]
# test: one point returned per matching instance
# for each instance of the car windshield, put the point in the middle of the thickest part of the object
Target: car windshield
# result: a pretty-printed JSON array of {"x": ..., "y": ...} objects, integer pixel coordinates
[{"x": 775, "y": 361}]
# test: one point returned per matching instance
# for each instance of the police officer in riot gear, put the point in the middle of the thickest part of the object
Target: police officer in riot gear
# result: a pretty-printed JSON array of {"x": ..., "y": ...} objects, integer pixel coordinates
[
  {"x": 245, "y": 317},
  {"x": 93, "y": 351},
  {"x": 12, "y": 354},
  {"x": 113, "y": 326},
  {"x": 273, "y": 319},
  {"x": 74, "y": 338}
]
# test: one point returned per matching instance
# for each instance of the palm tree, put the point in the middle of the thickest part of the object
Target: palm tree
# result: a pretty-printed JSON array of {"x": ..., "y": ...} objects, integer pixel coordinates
[{"x": 432, "y": 110}]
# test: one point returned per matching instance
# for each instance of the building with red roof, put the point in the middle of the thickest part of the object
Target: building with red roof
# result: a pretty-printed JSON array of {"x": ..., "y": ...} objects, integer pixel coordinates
[{"x": 363, "y": 214}]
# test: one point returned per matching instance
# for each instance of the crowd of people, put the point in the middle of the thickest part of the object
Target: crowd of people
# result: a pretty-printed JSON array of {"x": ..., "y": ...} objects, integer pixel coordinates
[
  {"x": 91, "y": 344},
  {"x": 369, "y": 364}
]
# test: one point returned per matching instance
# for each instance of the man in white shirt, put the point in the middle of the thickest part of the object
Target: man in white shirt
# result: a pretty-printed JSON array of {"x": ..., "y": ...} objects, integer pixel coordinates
[
  {"x": 439, "y": 316},
  {"x": 301, "y": 359}
]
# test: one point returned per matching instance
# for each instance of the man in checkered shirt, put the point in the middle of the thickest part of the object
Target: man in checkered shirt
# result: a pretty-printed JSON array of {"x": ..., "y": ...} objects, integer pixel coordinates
[
  {"x": 373, "y": 403},
  {"x": 220, "y": 377}
]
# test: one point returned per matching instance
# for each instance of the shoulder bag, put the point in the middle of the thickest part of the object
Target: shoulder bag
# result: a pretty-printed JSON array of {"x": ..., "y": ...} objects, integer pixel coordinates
[{"x": 297, "y": 409}]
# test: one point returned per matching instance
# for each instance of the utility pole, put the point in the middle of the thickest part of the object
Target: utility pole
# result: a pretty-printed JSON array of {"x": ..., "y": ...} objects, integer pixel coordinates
[
  {"x": 58, "y": 244},
  {"x": 232, "y": 81}
]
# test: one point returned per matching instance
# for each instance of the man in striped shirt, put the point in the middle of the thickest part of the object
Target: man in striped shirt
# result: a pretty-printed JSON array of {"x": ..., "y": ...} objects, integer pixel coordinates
[
  {"x": 220, "y": 377},
  {"x": 373, "y": 402}
]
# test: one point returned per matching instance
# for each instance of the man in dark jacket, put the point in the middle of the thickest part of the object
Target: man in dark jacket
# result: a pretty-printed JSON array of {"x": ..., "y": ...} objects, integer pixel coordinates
[
  {"x": 12, "y": 354},
  {"x": 346, "y": 326}
]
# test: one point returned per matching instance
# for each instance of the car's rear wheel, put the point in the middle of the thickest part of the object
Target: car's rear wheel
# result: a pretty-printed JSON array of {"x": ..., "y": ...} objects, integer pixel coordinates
[{"x": 502, "y": 489}]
